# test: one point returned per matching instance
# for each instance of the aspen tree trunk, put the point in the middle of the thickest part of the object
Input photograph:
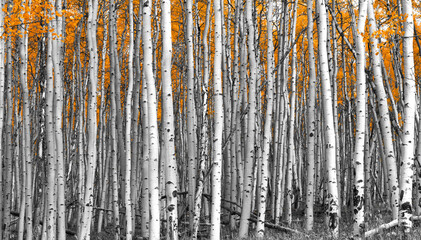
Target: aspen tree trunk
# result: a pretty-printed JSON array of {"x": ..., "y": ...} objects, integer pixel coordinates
[
  {"x": 51, "y": 144},
  {"x": 329, "y": 131},
  {"x": 145, "y": 163},
  {"x": 2, "y": 106},
  {"x": 218, "y": 126},
  {"x": 191, "y": 133},
  {"x": 249, "y": 151},
  {"x": 171, "y": 181},
  {"x": 27, "y": 157},
  {"x": 385, "y": 123},
  {"x": 358, "y": 161},
  {"x": 291, "y": 144},
  {"x": 92, "y": 121},
  {"x": 154, "y": 225},
  {"x": 310, "y": 120},
  {"x": 204, "y": 150},
  {"x": 267, "y": 137},
  {"x": 407, "y": 144},
  {"x": 128, "y": 153},
  {"x": 58, "y": 95}
]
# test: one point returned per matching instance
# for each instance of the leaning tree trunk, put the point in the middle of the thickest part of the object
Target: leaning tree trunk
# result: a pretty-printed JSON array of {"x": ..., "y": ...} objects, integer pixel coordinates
[
  {"x": 385, "y": 123},
  {"x": 407, "y": 144}
]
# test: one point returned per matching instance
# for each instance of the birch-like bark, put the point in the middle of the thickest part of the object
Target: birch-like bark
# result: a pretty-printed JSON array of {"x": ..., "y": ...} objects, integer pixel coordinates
[
  {"x": 267, "y": 137},
  {"x": 385, "y": 123},
  {"x": 85, "y": 233},
  {"x": 168, "y": 121},
  {"x": 249, "y": 151},
  {"x": 407, "y": 144},
  {"x": 218, "y": 126},
  {"x": 128, "y": 153},
  {"x": 27, "y": 157},
  {"x": 329, "y": 129},
  {"x": 145, "y": 163},
  {"x": 2, "y": 106},
  {"x": 51, "y": 145},
  {"x": 58, "y": 96},
  {"x": 358, "y": 161},
  {"x": 310, "y": 120},
  {"x": 154, "y": 224},
  {"x": 191, "y": 133}
]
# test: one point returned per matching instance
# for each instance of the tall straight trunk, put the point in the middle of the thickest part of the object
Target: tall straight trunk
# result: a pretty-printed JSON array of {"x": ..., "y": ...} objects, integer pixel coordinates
[
  {"x": 168, "y": 116},
  {"x": 358, "y": 161},
  {"x": 407, "y": 144},
  {"x": 92, "y": 121},
  {"x": 385, "y": 122},
  {"x": 291, "y": 144},
  {"x": 218, "y": 126},
  {"x": 145, "y": 164},
  {"x": 249, "y": 151},
  {"x": 191, "y": 134},
  {"x": 51, "y": 144},
  {"x": 128, "y": 153},
  {"x": 58, "y": 95},
  {"x": 267, "y": 137},
  {"x": 154, "y": 224},
  {"x": 2, "y": 107},
  {"x": 329, "y": 128},
  {"x": 26, "y": 129},
  {"x": 311, "y": 124}
]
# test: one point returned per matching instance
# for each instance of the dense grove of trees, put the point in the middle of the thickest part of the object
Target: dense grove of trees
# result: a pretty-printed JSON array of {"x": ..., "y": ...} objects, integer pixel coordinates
[{"x": 209, "y": 119}]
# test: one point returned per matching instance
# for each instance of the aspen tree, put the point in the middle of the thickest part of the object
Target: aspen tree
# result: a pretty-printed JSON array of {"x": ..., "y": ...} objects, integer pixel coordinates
[
  {"x": 168, "y": 117},
  {"x": 385, "y": 123},
  {"x": 154, "y": 224},
  {"x": 128, "y": 153},
  {"x": 51, "y": 144},
  {"x": 291, "y": 144},
  {"x": 204, "y": 149},
  {"x": 191, "y": 134},
  {"x": 310, "y": 120},
  {"x": 358, "y": 161},
  {"x": 92, "y": 121},
  {"x": 267, "y": 137},
  {"x": 58, "y": 95},
  {"x": 27, "y": 157},
  {"x": 218, "y": 126},
  {"x": 329, "y": 131},
  {"x": 251, "y": 128},
  {"x": 407, "y": 144},
  {"x": 2, "y": 106}
]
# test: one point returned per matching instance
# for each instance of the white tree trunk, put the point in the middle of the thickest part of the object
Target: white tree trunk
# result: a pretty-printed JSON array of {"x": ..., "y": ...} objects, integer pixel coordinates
[
  {"x": 407, "y": 144},
  {"x": 249, "y": 151},
  {"x": 92, "y": 121},
  {"x": 358, "y": 161},
  {"x": 329, "y": 129},
  {"x": 310, "y": 120},
  {"x": 154, "y": 224},
  {"x": 168, "y": 122},
  {"x": 385, "y": 123},
  {"x": 218, "y": 126},
  {"x": 267, "y": 137}
]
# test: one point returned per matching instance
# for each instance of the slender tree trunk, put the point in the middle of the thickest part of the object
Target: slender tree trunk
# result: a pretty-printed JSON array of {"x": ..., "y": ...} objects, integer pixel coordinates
[
  {"x": 329, "y": 133},
  {"x": 358, "y": 161},
  {"x": 311, "y": 124},
  {"x": 154, "y": 225},
  {"x": 92, "y": 121},
  {"x": 407, "y": 144}
]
